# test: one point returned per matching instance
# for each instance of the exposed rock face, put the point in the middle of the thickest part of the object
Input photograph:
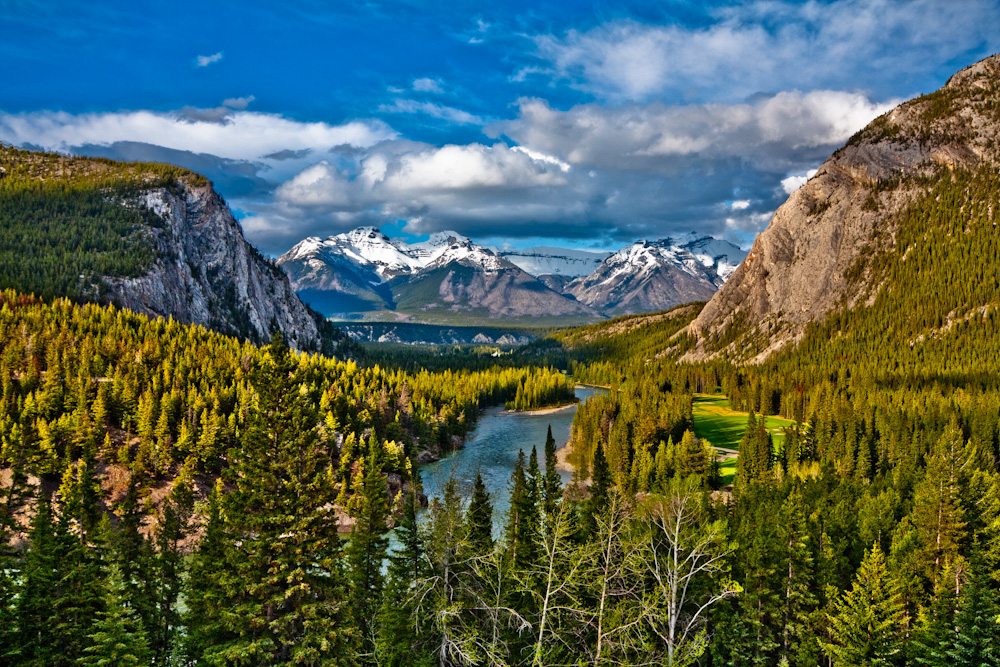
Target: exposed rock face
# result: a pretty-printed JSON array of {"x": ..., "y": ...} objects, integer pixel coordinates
[
  {"x": 206, "y": 273},
  {"x": 806, "y": 263}
]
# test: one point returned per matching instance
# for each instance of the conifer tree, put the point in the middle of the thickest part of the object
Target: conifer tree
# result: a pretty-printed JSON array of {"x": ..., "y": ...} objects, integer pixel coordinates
[
  {"x": 522, "y": 521},
  {"x": 479, "y": 518},
  {"x": 119, "y": 639},
  {"x": 37, "y": 594},
  {"x": 366, "y": 548},
  {"x": 397, "y": 628},
  {"x": 285, "y": 603},
  {"x": 552, "y": 485},
  {"x": 975, "y": 639},
  {"x": 865, "y": 623}
]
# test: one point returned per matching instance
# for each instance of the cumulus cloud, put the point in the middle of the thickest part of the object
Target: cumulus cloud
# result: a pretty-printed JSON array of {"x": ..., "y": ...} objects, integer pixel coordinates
[
  {"x": 587, "y": 172},
  {"x": 769, "y": 132},
  {"x": 795, "y": 181},
  {"x": 232, "y": 134},
  {"x": 768, "y": 45},
  {"x": 205, "y": 61}
]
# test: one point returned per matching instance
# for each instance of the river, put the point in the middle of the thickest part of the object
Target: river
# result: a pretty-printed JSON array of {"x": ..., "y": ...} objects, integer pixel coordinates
[{"x": 491, "y": 449}]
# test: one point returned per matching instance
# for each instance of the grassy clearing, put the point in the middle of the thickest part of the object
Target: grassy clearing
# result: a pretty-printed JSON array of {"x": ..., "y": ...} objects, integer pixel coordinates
[{"x": 723, "y": 427}]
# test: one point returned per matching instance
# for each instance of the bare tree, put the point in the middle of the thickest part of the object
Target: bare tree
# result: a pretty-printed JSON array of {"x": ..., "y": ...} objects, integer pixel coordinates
[
  {"x": 615, "y": 572},
  {"x": 462, "y": 598},
  {"x": 685, "y": 558}
]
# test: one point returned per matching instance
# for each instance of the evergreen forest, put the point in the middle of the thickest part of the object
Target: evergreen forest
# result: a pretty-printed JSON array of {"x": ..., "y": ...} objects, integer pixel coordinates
[{"x": 174, "y": 496}]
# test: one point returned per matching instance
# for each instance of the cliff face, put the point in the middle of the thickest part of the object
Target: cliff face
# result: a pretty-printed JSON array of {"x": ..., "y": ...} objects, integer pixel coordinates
[
  {"x": 812, "y": 257},
  {"x": 206, "y": 273}
]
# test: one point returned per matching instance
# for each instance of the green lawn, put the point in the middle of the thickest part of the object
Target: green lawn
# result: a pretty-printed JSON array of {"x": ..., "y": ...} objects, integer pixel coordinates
[{"x": 723, "y": 427}]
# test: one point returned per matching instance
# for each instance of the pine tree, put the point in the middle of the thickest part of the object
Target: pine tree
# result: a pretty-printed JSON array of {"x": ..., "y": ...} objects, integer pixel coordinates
[
  {"x": 552, "y": 485},
  {"x": 119, "y": 639},
  {"x": 366, "y": 548},
  {"x": 284, "y": 593},
  {"x": 479, "y": 518},
  {"x": 865, "y": 623}
]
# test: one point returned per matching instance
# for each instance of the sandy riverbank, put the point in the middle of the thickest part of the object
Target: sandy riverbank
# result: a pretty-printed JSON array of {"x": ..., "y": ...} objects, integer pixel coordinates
[{"x": 541, "y": 411}]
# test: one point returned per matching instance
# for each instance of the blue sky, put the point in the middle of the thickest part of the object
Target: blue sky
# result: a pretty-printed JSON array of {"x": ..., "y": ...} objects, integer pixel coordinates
[{"x": 573, "y": 123}]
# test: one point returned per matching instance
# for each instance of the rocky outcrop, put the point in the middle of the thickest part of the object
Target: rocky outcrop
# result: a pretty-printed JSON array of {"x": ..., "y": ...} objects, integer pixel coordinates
[
  {"x": 812, "y": 257},
  {"x": 206, "y": 273}
]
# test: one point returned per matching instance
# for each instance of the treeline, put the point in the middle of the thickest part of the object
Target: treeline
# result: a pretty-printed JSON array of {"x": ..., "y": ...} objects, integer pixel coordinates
[
  {"x": 65, "y": 223},
  {"x": 542, "y": 389}
]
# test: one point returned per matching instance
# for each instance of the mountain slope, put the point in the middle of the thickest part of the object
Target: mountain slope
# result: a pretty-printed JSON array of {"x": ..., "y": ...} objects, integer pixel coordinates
[
  {"x": 544, "y": 261},
  {"x": 441, "y": 279},
  {"x": 829, "y": 245},
  {"x": 152, "y": 238},
  {"x": 655, "y": 275}
]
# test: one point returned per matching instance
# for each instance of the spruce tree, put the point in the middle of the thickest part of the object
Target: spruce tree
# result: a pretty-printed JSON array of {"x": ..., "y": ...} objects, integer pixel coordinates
[
  {"x": 118, "y": 639},
  {"x": 367, "y": 545},
  {"x": 397, "y": 631},
  {"x": 552, "y": 485},
  {"x": 975, "y": 638},
  {"x": 479, "y": 518},
  {"x": 865, "y": 623},
  {"x": 284, "y": 599}
]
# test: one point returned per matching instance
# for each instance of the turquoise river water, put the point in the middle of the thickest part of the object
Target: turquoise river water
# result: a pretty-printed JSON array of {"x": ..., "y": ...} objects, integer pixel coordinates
[{"x": 491, "y": 449}]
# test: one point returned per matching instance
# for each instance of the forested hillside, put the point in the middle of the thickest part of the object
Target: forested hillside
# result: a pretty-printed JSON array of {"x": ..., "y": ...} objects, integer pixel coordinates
[
  {"x": 159, "y": 426},
  {"x": 870, "y": 535},
  {"x": 149, "y": 237}
]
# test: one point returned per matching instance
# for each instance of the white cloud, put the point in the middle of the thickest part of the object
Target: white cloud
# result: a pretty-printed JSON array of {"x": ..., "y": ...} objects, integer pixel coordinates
[
  {"x": 240, "y": 135},
  {"x": 205, "y": 61},
  {"x": 769, "y": 45},
  {"x": 426, "y": 85},
  {"x": 795, "y": 181},
  {"x": 766, "y": 132},
  {"x": 450, "y": 114},
  {"x": 238, "y": 103},
  {"x": 740, "y": 204}
]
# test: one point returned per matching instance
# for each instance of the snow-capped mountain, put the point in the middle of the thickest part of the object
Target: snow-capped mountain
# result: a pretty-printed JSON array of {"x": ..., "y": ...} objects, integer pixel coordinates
[
  {"x": 555, "y": 261},
  {"x": 654, "y": 275},
  {"x": 446, "y": 276}
]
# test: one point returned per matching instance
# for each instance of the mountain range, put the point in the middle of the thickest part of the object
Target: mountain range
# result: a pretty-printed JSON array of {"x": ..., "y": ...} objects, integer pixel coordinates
[{"x": 449, "y": 278}]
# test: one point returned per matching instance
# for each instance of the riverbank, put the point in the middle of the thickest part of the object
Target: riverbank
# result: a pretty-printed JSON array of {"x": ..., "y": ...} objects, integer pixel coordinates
[{"x": 541, "y": 411}]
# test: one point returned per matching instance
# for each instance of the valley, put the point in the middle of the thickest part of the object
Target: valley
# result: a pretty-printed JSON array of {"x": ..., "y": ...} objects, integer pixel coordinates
[{"x": 676, "y": 453}]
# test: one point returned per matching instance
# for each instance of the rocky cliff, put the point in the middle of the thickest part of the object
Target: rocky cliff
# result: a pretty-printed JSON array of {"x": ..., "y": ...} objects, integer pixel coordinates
[
  {"x": 206, "y": 273},
  {"x": 152, "y": 238},
  {"x": 815, "y": 254}
]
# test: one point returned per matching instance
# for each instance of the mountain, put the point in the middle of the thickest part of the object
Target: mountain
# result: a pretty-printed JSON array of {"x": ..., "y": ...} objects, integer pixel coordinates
[
  {"x": 444, "y": 279},
  {"x": 543, "y": 261},
  {"x": 155, "y": 239},
  {"x": 859, "y": 229},
  {"x": 655, "y": 275}
]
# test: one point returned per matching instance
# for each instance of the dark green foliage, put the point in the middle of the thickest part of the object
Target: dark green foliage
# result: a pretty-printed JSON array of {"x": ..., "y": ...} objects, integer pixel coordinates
[
  {"x": 118, "y": 639},
  {"x": 67, "y": 222},
  {"x": 366, "y": 548},
  {"x": 479, "y": 517}
]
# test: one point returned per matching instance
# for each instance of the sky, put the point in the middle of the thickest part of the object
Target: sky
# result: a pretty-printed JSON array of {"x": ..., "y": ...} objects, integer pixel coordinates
[{"x": 576, "y": 124}]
